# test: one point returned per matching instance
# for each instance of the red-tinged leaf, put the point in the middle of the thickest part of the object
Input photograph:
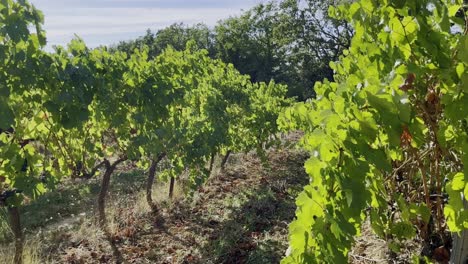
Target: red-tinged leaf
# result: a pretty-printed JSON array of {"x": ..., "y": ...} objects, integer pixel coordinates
[
  {"x": 406, "y": 137},
  {"x": 409, "y": 81},
  {"x": 432, "y": 98},
  {"x": 441, "y": 254}
]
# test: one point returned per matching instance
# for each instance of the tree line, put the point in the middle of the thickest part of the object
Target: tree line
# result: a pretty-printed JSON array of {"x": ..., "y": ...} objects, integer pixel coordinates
[{"x": 288, "y": 41}]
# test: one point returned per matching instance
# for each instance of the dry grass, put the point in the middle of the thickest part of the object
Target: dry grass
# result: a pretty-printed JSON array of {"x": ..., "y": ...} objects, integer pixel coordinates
[
  {"x": 31, "y": 254},
  {"x": 88, "y": 242},
  {"x": 74, "y": 237},
  {"x": 239, "y": 214},
  {"x": 369, "y": 248}
]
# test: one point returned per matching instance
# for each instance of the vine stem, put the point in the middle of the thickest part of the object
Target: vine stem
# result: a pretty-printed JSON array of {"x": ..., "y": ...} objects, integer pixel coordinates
[
  {"x": 410, "y": 160},
  {"x": 438, "y": 177},
  {"x": 63, "y": 149},
  {"x": 424, "y": 179}
]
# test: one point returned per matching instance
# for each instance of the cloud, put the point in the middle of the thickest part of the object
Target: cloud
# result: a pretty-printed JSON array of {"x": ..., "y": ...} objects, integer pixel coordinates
[
  {"x": 105, "y": 22},
  {"x": 192, "y": 4}
]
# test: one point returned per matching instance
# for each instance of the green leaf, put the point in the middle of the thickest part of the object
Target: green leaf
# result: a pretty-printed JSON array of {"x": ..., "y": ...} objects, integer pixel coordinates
[
  {"x": 465, "y": 192},
  {"x": 377, "y": 223},
  {"x": 463, "y": 48},
  {"x": 451, "y": 218},
  {"x": 6, "y": 115},
  {"x": 453, "y": 10},
  {"x": 458, "y": 182},
  {"x": 460, "y": 69},
  {"x": 367, "y": 6},
  {"x": 403, "y": 230},
  {"x": 395, "y": 247},
  {"x": 410, "y": 25},
  {"x": 397, "y": 34},
  {"x": 313, "y": 167},
  {"x": 379, "y": 158},
  {"x": 420, "y": 210}
]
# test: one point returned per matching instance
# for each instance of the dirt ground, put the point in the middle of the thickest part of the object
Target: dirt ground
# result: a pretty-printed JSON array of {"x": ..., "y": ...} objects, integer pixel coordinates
[{"x": 240, "y": 215}]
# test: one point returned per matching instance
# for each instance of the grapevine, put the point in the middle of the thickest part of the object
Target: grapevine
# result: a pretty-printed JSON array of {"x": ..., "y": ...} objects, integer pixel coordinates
[
  {"x": 388, "y": 138},
  {"x": 76, "y": 110}
]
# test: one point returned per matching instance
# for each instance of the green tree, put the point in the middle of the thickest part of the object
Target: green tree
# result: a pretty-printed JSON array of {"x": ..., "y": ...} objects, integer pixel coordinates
[
  {"x": 311, "y": 40},
  {"x": 247, "y": 42},
  {"x": 291, "y": 42},
  {"x": 176, "y": 35}
]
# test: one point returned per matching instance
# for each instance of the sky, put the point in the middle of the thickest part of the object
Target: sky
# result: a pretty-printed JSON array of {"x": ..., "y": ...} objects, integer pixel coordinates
[{"x": 104, "y": 22}]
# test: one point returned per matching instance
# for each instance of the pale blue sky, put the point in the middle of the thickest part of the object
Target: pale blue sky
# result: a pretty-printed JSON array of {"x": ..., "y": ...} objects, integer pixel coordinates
[{"x": 109, "y": 21}]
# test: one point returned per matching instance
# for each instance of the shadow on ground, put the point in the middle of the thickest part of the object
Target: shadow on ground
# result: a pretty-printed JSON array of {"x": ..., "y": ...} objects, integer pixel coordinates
[
  {"x": 240, "y": 216},
  {"x": 69, "y": 200},
  {"x": 256, "y": 232}
]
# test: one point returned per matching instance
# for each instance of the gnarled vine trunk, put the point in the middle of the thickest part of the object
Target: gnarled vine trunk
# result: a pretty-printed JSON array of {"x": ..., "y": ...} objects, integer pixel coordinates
[
  {"x": 212, "y": 162},
  {"x": 150, "y": 182},
  {"x": 104, "y": 189},
  {"x": 102, "y": 206},
  {"x": 225, "y": 159},
  {"x": 171, "y": 187},
  {"x": 15, "y": 223}
]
